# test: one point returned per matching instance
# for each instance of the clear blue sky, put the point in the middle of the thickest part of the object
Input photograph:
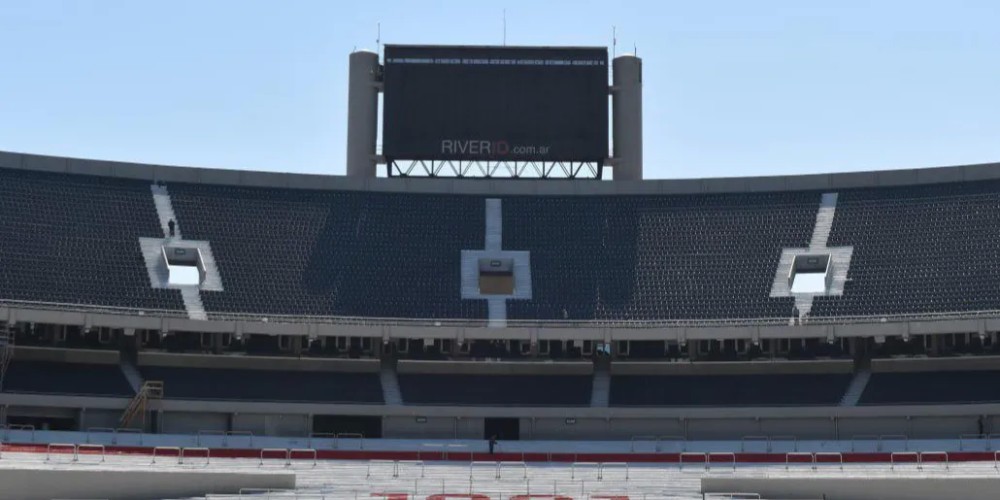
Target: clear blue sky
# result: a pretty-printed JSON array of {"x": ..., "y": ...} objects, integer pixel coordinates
[{"x": 731, "y": 87}]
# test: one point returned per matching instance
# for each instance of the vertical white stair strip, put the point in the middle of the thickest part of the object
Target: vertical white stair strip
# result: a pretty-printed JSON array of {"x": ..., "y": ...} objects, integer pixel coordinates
[
  {"x": 824, "y": 221},
  {"x": 856, "y": 389},
  {"x": 165, "y": 210},
  {"x": 192, "y": 303},
  {"x": 497, "y": 307},
  {"x": 131, "y": 374},
  {"x": 390, "y": 386},
  {"x": 213, "y": 280},
  {"x": 601, "y": 392},
  {"x": 494, "y": 224}
]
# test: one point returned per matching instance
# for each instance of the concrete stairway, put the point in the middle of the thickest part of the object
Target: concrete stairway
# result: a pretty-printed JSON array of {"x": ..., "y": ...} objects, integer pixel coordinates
[
  {"x": 857, "y": 387},
  {"x": 165, "y": 210},
  {"x": 390, "y": 383},
  {"x": 131, "y": 374},
  {"x": 601, "y": 391}
]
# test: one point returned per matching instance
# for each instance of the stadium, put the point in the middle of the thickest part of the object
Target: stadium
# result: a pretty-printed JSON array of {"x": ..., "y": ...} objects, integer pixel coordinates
[{"x": 476, "y": 327}]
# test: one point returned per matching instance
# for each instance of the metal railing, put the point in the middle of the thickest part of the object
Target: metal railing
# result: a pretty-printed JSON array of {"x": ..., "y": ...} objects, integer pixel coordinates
[{"x": 479, "y": 323}]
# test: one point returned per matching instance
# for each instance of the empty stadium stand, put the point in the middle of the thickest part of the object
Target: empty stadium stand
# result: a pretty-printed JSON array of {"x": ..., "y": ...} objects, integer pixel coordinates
[
  {"x": 656, "y": 257},
  {"x": 728, "y": 390},
  {"x": 74, "y": 239},
  {"x": 284, "y": 251},
  {"x": 506, "y": 390},
  {"x": 938, "y": 387},
  {"x": 79, "y": 379},
  {"x": 266, "y": 385},
  {"x": 918, "y": 249}
]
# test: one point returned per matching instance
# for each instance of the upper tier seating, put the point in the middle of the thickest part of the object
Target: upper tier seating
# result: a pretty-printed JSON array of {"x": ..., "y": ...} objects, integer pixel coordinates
[
  {"x": 283, "y": 251},
  {"x": 728, "y": 390},
  {"x": 70, "y": 238},
  {"x": 74, "y": 239},
  {"x": 918, "y": 249},
  {"x": 936, "y": 387},
  {"x": 266, "y": 385},
  {"x": 656, "y": 257},
  {"x": 504, "y": 390},
  {"x": 83, "y": 379}
]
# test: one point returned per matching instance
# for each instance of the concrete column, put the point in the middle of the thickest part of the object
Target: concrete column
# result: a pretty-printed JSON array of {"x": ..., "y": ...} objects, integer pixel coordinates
[
  {"x": 362, "y": 114},
  {"x": 217, "y": 343},
  {"x": 626, "y": 117}
]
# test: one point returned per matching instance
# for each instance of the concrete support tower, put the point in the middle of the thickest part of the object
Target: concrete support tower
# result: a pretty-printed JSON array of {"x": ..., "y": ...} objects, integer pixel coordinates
[
  {"x": 626, "y": 117},
  {"x": 362, "y": 114}
]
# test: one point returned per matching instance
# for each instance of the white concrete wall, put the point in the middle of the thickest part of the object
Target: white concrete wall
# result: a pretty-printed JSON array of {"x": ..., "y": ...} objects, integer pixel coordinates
[{"x": 40, "y": 484}]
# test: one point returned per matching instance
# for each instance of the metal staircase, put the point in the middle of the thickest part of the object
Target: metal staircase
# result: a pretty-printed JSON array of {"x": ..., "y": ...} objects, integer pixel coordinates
[
  {"x": 6, "y": 349},
  {"x": 139, "y": 406}
]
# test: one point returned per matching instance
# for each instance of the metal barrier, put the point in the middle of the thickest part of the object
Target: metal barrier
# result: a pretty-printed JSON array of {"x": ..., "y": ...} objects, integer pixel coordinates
[
  {"x": 806, "y": 454},
  {"x": 575, "y": 465},
  {"x": 222, "y": 434},
  {"x": 443, "y": 447},
  {"x": 17, "y": 427},
  {"x": 893, "y": 458},
  {"x": 670, "y": 439},
  {"x": 303, "y": 451},
  {"x": 522, "y": 465},
  {"x": 781, "y": 439},
  {"x": 894, "y": 437},
  {"x": 834, "y": 454},
  {"x": 989, "y": 441},
  {"x": 402, "y": 463},
  {"x": 600, "y": 472},
  {"x": 703, "y": 456},
  {"x": 99, "y": 448},
  {"x": 730, "y": 496},
  {"x": 393, "y": 467},
  {"x": 714, "y": 454},
  {"x": 265, "y": 451},
  {"x": 185, "y": 452},
  {"x": 495, "y": 465},
  {"x": 936, "y": 454},
  {"x": 60, "y": 446},
  {"x": 248, "y": 434},
  {"x": 322, "y": 435},
  {"x": 100, "y": 430},
  {"x": 652, "y": 439},
  {"x": 765, "y": 439},
  {"x": 864, "y": 437},
  {"x": 350, "y": 435},
  {"x": 126, "y": 430},
  {"x": 176, "y": 449}
]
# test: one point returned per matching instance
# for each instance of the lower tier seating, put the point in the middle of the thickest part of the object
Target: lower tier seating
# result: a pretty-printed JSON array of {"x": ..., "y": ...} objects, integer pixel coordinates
[
  {"x": 728, "y": 390},
  {"x": 82, "y": 379},
  {"x": 266, "y": 385},
  {"x": 938, "y": 387},
  {"x": 507, "y": 390}
]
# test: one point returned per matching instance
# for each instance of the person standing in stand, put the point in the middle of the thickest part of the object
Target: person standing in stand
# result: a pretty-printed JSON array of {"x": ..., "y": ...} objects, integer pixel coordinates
[{"x": 493, "y": 443}]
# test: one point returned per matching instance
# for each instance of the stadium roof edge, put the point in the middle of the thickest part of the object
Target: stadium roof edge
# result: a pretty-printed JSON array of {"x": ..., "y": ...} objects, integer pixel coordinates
[{"x": 809, "y": 182}]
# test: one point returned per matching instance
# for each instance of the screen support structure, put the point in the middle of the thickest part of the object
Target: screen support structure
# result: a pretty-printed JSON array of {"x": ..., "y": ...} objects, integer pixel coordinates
[
  {"x": 362, "y": 131},
  {"x": 495, "y": 169}
]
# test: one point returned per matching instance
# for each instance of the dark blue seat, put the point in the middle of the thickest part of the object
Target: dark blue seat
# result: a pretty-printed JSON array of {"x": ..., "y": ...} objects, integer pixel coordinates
[
  {"x": 502, "y": 390},
  {"x": 81, "y": 379},
  {"x": 266, "y": 385},
  {"x": 936, "y": 387},
  {"x": 74, "y": 239},
  {"x": 729, "y": 390}
]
